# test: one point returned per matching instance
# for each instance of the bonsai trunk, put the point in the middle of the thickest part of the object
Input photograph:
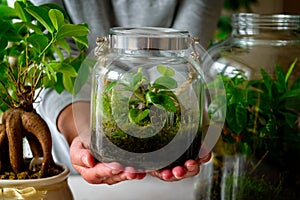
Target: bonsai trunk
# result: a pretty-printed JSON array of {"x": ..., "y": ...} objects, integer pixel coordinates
[{"x": 18, "y": 124}]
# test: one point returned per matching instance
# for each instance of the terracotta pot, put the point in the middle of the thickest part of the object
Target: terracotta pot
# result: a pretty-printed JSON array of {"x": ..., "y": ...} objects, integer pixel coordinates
[{"x": 55, "y": 187}]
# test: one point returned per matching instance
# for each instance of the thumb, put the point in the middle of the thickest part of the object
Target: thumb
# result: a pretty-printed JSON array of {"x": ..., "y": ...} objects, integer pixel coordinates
[{"x": 79, "y": 155}]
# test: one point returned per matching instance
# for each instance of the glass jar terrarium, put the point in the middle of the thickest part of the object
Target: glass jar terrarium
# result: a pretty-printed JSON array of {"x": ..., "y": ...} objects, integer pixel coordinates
[
  {"x": 147, "y": 98},
  {"x": 259, "y": 64}
]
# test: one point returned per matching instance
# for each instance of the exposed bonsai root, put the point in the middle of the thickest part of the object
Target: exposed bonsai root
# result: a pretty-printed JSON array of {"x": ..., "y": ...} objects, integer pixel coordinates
[
  {"x": 19, "y": 124},
  {"x": 13, "y": 128},
  {"x": 34, "y": 124}
]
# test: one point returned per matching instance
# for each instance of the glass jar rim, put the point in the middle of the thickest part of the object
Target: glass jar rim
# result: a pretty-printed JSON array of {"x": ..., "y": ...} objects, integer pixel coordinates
[
  {"x": 267, "y": 21},
  {"x": 148, "y": 38},
  {"x": 149, "y": 31}
]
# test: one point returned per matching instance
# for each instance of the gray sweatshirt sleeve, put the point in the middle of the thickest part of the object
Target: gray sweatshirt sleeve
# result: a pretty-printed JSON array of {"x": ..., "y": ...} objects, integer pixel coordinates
[{"x": 200, "y": 18}]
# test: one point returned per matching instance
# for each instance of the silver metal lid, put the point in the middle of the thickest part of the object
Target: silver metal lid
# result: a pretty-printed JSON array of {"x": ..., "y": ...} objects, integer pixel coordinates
[{"x": 148, "y": 38}]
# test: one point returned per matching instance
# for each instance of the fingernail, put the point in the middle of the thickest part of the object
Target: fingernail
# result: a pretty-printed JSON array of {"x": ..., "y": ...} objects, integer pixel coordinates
[
  {"x": 115, "y": 172},
  {"x": 191, "y": 167},
  {"x": 85, "y": 161},
  {"x": 177, "y": 176}
]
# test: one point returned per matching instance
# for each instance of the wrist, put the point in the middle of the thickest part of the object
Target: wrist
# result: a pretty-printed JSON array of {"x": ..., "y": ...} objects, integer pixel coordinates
[{"x": 74, "y": 120}]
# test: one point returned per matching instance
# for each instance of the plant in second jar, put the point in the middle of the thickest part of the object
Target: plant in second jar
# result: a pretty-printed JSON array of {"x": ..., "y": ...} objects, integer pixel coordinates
[
  {"x": 259, "y": 112},
  {"x": 141, "y": 116},
  {"x": 262, "y": 122}
]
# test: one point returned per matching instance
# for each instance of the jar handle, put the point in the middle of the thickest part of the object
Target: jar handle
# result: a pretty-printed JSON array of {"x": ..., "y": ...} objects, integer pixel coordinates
[
  {"x": 102, "y": 47},
  {"x": 213, "y": 124},
  {"x": 195, "y": 45}
]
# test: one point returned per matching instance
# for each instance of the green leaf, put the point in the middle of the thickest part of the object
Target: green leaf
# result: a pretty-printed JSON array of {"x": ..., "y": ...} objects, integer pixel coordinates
[
  {"x": 59, "y": 53},
  {"x": 9, "y": 31},
  {"x": 288, "y": 74},
  {"x": 241, "y": 116},
  {"x": 136, "y": 115},
  {"x": 235, "y": 95},
  {"x": 161, "y": 100},
  {"x": 7, "y": 12},
  {"x": 165, "y": 82},
  {"x": 63, "y": 68},
  {"x": 2, "y": 53},
  {"x": 49, "y": 6},
  {"x": 151, "y": 97},
  {"x": 38, "y": 41},
  {"x": 41, "y": 14},
  {"x": 166, "y": 102},
  {"x": 64, "y": 45},
  {"x": 59, "y": 86},
  {"x": 71, "y": 30},
  {"x": 296, "y": 84},
  {"x": 22, "y": 59},
  {"x": 244, "y": 148},
  {"x": 291, "y": 93},
  {"x": 280, "y": 76},
  {"x": 269, "y": 130},
  {"x": 83, "y": 40},
  {"x": 110, "y": 86},
  {"x": 3, "y": 70},
  {"x": 3, "y": 43},
  {"x": 57, "y": 18},
  {"x": 31, "y": 26},
  {"x": 5, "y": 26},
  {"x": 67, "y": 70},
  {"x": 170, "y": 94},
  {"x": 136, "y": 79},
  {"x": 231, "y": 119},
  {"x": 290, "y": 119},
  {"x": 217, "y": 83},
  {"x": 165, "y": 71},
  {"x": 268, "y": 81},
  {"x": 289, "y": 105},
  {"x": 68, "y": 83},
  {"x": 50, "y": 71},
  {"x": 253, "y": 97},
  {"x": 20, "y": 10},
  {"x": 84, "y": 72}
]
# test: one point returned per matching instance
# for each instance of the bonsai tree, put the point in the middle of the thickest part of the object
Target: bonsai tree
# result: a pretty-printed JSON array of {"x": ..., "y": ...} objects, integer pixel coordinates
[{"x": 34, "y": 55}]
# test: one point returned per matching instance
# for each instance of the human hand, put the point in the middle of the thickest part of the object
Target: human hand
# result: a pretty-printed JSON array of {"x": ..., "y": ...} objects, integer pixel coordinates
[
  {"x": 96, "y": 172},
  {"x": 190, "y": 168}
]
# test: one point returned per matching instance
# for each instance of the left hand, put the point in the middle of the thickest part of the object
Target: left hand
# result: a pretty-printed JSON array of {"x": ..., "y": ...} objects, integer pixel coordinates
[{"x": 190, "y": 168}]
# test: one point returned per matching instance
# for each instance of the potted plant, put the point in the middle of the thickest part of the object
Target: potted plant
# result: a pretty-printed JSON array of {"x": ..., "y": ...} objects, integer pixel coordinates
[
  {"x": 256, "y": 155},
  {"x": 34, "y": 55}
]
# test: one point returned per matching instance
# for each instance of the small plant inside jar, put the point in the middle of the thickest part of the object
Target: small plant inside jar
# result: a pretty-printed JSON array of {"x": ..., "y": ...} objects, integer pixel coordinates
[{"x": 140, "y": 116}]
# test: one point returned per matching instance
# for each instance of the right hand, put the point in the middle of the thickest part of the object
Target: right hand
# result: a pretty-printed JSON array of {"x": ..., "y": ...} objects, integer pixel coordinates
[{"x": 96, "y": 172}]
